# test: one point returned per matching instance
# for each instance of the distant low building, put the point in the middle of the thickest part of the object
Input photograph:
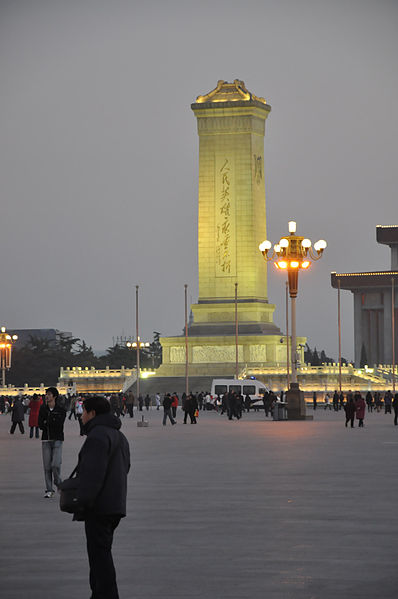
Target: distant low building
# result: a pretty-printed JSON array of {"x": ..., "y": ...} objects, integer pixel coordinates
[{"x": 373, "y": 304}]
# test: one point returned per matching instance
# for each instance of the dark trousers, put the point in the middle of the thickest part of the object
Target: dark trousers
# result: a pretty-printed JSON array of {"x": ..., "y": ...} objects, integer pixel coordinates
[
  {"x": 99, "y": 535},
  {"x": 32, "y": 430},
  {"x": 191, "y": 415},
  {"x": 395, "y": 417},
  {"x": 349, "y": 419},
  {"x": 14, "y": 426}
]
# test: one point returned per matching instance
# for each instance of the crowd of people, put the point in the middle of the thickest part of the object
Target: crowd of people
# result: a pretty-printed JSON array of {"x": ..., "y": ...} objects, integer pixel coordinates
[
  {"x": 232, "y": 404},
  {"x": 355, "y": 405}
]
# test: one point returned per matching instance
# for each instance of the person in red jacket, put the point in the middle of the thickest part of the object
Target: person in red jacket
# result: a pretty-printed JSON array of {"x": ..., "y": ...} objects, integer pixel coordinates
[
  {"x": 34, "y": 408},
  {"x": 174, "y": 404},
  {"x": 360, "y": 406}
]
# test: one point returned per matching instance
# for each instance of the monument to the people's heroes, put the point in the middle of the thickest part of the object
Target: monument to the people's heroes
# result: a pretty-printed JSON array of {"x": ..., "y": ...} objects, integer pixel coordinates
[{"x": 231, "y": 224}]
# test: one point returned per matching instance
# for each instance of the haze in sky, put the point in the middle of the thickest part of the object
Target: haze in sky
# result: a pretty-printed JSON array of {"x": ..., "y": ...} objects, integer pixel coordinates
[{"x": 99, "y": 152}]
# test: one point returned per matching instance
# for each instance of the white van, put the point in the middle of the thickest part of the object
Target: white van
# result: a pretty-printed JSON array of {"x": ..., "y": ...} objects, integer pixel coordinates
[{"x": 255, "y": 389}]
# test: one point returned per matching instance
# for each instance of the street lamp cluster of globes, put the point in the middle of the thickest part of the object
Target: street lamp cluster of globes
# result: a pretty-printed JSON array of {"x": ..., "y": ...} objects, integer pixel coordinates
[
  {"x": 292, "y": 253},
  {"x": 133, "y": 344},
  {"x": 6, "y": 341}
]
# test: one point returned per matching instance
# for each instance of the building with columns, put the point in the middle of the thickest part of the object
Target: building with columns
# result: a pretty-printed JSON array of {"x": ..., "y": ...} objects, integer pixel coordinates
[{"x": 373, "y": 312}]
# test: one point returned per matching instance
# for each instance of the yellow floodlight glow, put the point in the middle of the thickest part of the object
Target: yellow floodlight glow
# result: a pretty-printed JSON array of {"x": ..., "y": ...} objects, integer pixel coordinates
[
  {"x": 276, "y": 265},
  {"x": 282, "y": 264},
  {"x": 305, "y": 264},
  {"x": 294, "y": 264}
]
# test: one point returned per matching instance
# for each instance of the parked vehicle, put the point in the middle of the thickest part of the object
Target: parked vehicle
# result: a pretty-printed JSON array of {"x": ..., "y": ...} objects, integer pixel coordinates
[{"x": 252, "y": 387}]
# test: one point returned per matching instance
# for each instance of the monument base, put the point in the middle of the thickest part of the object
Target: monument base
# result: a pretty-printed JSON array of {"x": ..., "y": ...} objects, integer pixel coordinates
[
  {"x": 296, "y": 409},
  {"x": 216, "y": 355}
]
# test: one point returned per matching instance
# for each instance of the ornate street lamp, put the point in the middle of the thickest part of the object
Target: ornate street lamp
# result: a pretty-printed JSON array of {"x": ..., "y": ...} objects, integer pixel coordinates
[
  {"x": 292, "y": 254},
  {"x": 6, "y": 342},
  {"x": 138, "y": 346}
]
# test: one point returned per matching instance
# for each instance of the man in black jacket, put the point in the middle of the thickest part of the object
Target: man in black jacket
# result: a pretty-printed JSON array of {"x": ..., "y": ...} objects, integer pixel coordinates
[
  {"x": 51, "y": 422},
  {"x": 104, "y": 462}
]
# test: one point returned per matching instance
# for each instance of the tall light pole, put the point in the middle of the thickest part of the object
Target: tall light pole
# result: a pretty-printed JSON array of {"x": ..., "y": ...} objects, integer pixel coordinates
[
  {"x": 292, "y": 254},
  {"x": 393, "y": 332},
  {"x": 287, "y": 336},
  {"x": 6, "y": 342},
  {"x": 186, "y": 340},
  {"x": 137, "y": 340},
  {"x": 236, "y": 333},
  {"x": 339, "y": 326}
]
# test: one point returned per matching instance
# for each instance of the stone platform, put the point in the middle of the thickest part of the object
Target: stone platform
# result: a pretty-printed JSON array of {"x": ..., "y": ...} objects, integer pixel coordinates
[{"x": 218, "y": 510}]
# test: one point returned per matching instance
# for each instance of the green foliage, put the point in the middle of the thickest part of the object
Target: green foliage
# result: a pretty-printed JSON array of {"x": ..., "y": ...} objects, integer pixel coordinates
[{"x": 313, "y": 358}]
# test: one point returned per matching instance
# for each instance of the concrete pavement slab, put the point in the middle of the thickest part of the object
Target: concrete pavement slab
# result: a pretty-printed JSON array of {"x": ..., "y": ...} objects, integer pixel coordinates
[{"x": 221, "y": 509}]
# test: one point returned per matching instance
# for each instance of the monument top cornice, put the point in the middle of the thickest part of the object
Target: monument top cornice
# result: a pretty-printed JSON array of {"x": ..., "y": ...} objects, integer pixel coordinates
[{"x": 230, "y": 94}]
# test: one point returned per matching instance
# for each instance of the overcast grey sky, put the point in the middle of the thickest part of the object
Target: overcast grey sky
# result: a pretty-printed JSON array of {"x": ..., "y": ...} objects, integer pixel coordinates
[{"x": 99, "y": 151}]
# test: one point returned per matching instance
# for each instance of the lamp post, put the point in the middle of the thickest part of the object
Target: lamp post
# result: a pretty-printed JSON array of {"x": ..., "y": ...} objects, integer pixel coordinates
[
  {"x": 291, "y": 254},
  {"x": 6, "y": 342},
  {"x": 138, "y": 346}
]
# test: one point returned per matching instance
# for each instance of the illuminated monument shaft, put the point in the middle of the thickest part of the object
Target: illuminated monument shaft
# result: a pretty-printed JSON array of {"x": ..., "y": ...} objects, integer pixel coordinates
[{"x": 231, "y": 127}]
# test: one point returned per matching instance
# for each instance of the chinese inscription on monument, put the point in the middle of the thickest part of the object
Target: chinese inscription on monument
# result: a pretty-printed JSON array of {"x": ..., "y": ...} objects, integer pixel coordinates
[{"x": 225, "y": 218}]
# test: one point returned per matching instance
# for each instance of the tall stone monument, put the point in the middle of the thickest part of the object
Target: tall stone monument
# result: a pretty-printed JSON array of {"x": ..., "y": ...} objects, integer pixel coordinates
[{"x": 231, "y": 224}]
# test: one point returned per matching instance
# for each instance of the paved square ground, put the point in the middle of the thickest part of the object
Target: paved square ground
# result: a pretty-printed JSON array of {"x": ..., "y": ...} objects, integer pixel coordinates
[{"x": 218, "y": 510}]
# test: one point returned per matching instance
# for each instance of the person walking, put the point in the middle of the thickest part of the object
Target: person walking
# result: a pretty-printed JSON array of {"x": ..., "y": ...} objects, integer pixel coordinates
[
  {"x": 335, "y": 401},
  {"x": 191, "y": 405},
  {"x": 140, "y": 402},
  {"x": 369, "y": 401},
  {"x": 174, "y": 404},
  {"x": 51, "y": 422},
  {"x": 103, "y": 466},
  {"x": 157, "y": 399},
  {"x": 200, "y": 400},
  {"x": 130, "y": 403},
  {"x": 341, "y": 400},
  {"x": 327, "y": 402},
  {"x": 167, "y": 409},
  {"x": 34, "y": 408},
  {"x": 147, "y": 401},
  {"x": 73, "y": 408},
  {"x": 395, "y": 408},
  {"x": 231, "y": 405},
  {"x": 267, "y": 400},
  {"x": 360, "y": 408},
  {"x": 79, "y": 413},
  {"x": 314, "y": 400},
  {"x": 17, "y": 416},
  {"x": 349, "y": 409},
  {"x": 387, "y": 402}
]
